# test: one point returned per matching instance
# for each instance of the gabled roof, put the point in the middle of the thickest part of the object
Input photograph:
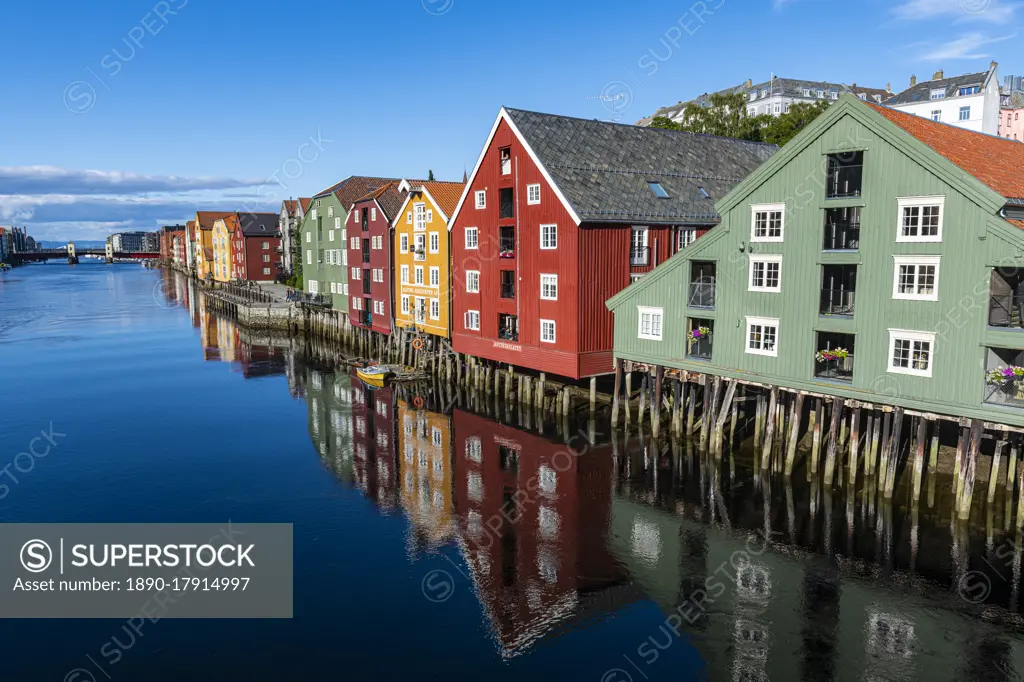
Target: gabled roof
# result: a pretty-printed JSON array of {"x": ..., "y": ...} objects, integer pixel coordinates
[
  {"x": 922, "y": 92},
  {"x": 290, "y": 206},
  {"x": 259, "y": 224},
  {"x": 208, "y": 218},
  {"x": 443, "y": 195},
  {"x": 604, "y": 170},
  {"x": 996, "y": 162},
  {"x": 388, "y": 197},
  {"x": 353, "y": 188},
  {"x": 305, "y": 202}
]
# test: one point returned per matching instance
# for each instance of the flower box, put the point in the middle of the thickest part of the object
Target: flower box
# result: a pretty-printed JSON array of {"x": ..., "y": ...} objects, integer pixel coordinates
[{"x": 831, "y": 355}]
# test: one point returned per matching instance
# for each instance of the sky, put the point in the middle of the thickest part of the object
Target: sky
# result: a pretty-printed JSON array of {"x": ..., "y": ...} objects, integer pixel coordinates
[{"x": 132, "y": 114}]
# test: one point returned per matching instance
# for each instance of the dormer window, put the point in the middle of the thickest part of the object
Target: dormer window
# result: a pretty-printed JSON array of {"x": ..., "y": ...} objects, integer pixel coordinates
[
  {"x": 658, "y": 190},
  {"x": 938, "y": 93},
  {"x": 969, "y": 90}
]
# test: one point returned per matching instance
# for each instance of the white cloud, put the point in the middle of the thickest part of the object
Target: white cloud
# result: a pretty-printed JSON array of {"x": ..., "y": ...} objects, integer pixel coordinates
[
  {"x": 992, "y": 11},
  {"x": 968, "y": 46},
  {"x": 58, "y": 203}
]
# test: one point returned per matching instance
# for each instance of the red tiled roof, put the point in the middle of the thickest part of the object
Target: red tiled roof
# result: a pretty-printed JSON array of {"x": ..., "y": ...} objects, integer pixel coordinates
[
  {"x": 290, "y": 205},
  {"x": 207, "y": 218},
  {"x": 446, "y": 194},
  {"x": 305, "y": 202},
  {"x": 1018, "y": 223},
  {"x": 994, "y": 161}
]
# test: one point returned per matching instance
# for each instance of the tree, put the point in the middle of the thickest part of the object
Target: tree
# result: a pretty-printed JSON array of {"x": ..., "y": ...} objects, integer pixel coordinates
[
  {"x": 430, "y": 176},
  {"x": 664, "y": 122},
  {"x": 723, "y": 115},
  {"x": 784, "y": 128}
]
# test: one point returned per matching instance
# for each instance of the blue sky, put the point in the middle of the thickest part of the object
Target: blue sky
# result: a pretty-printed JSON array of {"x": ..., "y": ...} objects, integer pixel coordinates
[{"x": 129, "y": 114}]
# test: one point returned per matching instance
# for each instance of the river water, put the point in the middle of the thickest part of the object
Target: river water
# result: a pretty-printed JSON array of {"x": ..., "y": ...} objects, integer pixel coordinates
[{"x": 444, "y": 539}]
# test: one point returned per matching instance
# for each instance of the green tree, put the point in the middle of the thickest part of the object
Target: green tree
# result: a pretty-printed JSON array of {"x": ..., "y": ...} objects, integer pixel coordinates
[
  {"x": 664, "y": 122},
  {"x": 724, "y": 115},
  {"x": 784, "y": 128},
  {"x": 430, "y": 176}
]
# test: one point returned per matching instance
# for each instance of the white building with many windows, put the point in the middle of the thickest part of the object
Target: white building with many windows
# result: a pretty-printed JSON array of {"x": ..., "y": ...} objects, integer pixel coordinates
[{"x": 969, "y": 101}]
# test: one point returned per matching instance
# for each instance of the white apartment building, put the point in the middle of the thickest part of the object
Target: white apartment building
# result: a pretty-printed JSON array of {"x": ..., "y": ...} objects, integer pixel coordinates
[{"x": 969, "y": 101}]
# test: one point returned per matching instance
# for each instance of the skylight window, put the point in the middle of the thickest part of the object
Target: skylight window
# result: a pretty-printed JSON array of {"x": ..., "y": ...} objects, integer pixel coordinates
[
  {"x": 658, "y": 190},
  {"x": 704, "y": 193}
]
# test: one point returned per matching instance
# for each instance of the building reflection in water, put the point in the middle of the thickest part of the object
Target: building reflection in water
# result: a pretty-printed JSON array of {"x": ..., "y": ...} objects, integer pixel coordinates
[{"x": 848, "y": 588}]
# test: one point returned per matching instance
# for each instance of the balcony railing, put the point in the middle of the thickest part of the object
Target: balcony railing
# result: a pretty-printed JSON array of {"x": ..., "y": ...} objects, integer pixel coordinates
[
  {"x": 366, "y": 254},
  {"x": 507, "y": 245},
  {"x": 366, "y": 318},
  {"x": 844, "y": 175},
  {"x": 837, "y": 302},
  {"x": 638, "y": 255},
  {"x": 842, "y": 237},
  {"x": 699, "y": 349},
  {"x": 840, "y": 369},
  {"x": 702, "y": 295},
  {"x": 1006, "y": 310}
]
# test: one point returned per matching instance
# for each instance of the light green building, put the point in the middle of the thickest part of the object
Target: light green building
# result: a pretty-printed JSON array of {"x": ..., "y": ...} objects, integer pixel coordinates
[
  {"x": 323, "y": 238},
  {"x": 875, "y": 236}
]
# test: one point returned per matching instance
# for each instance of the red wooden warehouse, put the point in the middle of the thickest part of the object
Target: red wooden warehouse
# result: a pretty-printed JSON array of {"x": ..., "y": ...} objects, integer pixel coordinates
[
  {"x": 369, "y": 257},
  {"x": 255, "y": 240},
  {"x": 561, "y": 214}
]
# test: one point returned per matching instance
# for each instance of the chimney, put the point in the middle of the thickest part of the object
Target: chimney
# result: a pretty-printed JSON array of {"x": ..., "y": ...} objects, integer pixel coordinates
[
  {"x": 937, "y": 76},
  {"x": 888, "y": 87},
  {"x": 913, "y": 81},
  {"x": 993, "y": 65},
  {"x": 750, "y": 83}
]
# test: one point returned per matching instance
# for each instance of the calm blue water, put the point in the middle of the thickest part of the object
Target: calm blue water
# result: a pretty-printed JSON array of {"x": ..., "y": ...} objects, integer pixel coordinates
[{"x": 404, "y": 566}]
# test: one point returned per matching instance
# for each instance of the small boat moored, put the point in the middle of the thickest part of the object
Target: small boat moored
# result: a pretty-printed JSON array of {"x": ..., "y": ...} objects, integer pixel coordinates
[{"x": 374, "y": 376}]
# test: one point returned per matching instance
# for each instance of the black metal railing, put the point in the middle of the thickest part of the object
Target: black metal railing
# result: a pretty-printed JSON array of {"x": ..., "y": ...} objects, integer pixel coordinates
[
  {"x": 1009, "y": 393},
  {"x": 1006, "y": 310},
  {"x": 366, "y": 318},
  {"x": 508, "y": 327},
  {"x": 638, "y": 255},
  {"x": 294, "y": 296},
  {"x": 249, "y": 293},
  {"x": 507, "y": 244},
  {"x": 702, "y": 294},
  {"x": 366, "y": 253},
  {"x": 837, "y": 301},
  {"x": 843, "y": 180},
  {"x": 699, "y": 349},
  {"x": 840, "y": 369},
  {"x": 842, "y": 237},
  {"x": 367, "y": 282}
]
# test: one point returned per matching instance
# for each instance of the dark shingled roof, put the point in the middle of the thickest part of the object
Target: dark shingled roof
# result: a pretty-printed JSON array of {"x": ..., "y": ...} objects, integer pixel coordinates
[
  {"x": 603, "y": 169},
  {"x": 353, "y": 188},
  {"x": 389, "y": 198},
  {"x": 922, "y": 92},
  {"x": 259, "y": 224}
]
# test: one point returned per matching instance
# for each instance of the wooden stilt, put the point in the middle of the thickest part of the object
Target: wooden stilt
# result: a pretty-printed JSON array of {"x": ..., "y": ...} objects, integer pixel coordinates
[
  {"x": 894, "y": 452},
  {"x": 769, "y": 435},
  {"x": 629, "y": 393},
  {"x": 993, "y": 474},
  {"x": 727, "y": 402},
  {"x": 677, "y": 407},
  {"x": 1011, "y": 469},
  {"x": 691, "y": 412},
  {"x": 819, "y": 415},
  {"x": 922, "y": 436},
  {"x": 967, "y": 495},
  {"x": 593, "y": 395},
  {"x": 794, "y": 432},
  {"x": 852, "y": 459},
  {"x": 833, "y": 441},
  {"x": 643, "y": 399},
  {"x": 659, "y": 374},
  {"x": 883, "y": 455},
  {"x": 615, "y": 396},
  {"x": 958, "y": 466}
]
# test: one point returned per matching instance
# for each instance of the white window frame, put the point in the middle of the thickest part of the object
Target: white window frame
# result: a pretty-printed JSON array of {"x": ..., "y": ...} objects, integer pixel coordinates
[
  {"x": 765, "y": 258},
  {"x": 418, "y": 274},
  {"x": 405, "y": 304},
  {"x": 330, "y": 211},
  {"x": 434, "y": 242},
  {"x": 964, "y": 110},
  {"x": 480, "y": 199},
  {"x": 909, "y": 202},
  {"x": 309, "y": 257},
  {"x": 551, "y": 239},
  {"x": 899, "y": 261},
  {"x": 472, "y": 278},
  {"x": 373, "y": 214},
  {"x": 435, "y": 276},
  {"x": 403, "y": 243},
  {"x": 551, "y": 324},
  {"x": 419, "y": 216},
  {"x": 472, "y": 320},
  {"x": 763, "y": 322},
  {"x": 435, "y": 309},
  {"x": 685, "y": 236},
  {"x": 533, "y": 194},
  {"x": 655, "y": 313},
  {"x": 309, "y": 237},
  {"x": 912, "y": 336},
  {"x": 767, "y": 208},
  {"x": 475, "y": 232},
  {"x": 552, "y": 282}
]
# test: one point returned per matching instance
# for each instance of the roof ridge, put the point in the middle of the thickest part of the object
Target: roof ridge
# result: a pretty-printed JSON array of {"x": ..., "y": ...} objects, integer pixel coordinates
[{"x": 666, "y": 174}]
